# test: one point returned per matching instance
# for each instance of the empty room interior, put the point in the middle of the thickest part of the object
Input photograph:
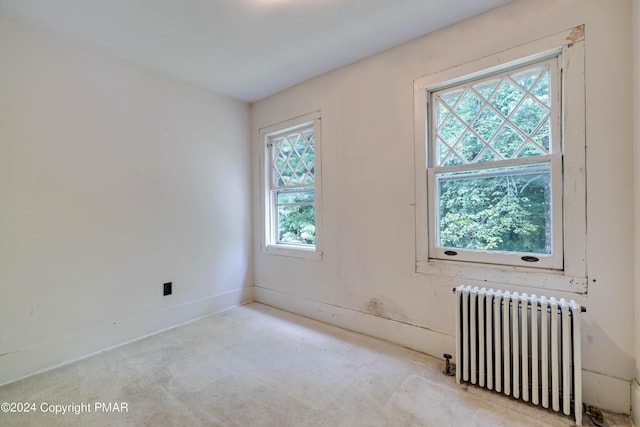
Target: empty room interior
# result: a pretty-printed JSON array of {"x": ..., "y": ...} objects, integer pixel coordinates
[{"x": 286, "y": 212}]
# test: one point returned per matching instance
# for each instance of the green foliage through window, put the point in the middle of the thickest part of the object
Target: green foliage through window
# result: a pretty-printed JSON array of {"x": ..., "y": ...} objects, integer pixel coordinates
[{"x": 503, "y": 210}]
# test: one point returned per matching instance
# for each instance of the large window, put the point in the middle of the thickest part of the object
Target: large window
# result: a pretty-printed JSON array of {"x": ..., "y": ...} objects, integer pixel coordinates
[
  {"x": 291, "y": 165},
  {"x": 500, "y": 167}
]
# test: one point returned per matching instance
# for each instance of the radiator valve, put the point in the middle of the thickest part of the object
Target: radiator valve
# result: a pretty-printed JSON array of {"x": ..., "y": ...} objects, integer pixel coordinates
[
  {"x": 595, "y": 414},
  {"x": 449, "y": 368}
]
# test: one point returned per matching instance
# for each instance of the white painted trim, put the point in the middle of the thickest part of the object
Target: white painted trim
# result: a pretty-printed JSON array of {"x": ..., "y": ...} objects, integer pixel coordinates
[
  {"x": 290, "y": 124},
  {"x": 574, "y": 277},
  {"x": 575, "y": 179},
  {"x": 410, "y": 336},
  {"x": 497, "y": 275},
  {"x": 27, "y": 362},
  {"x": 605, "y": 392},
  {"x": 294, "y": 252},
  {"x": 523, "y": 53}
]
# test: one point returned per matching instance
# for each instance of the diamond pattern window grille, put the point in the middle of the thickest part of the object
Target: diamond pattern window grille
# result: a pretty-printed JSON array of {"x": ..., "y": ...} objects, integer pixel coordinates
[
  {"x": 293, "y": 160},
  {"x": 292, "y": 190},
  {"x": 500, "y": 118}
]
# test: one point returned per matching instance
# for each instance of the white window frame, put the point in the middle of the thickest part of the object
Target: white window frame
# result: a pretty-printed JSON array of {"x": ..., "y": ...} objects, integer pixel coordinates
[
  {"x": 568, "y": 271},
  {"x": 269, "y": 241}
]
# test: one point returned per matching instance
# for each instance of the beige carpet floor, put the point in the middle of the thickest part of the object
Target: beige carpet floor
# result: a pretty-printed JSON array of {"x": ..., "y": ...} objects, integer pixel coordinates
[{"x": 258, "y": 366}]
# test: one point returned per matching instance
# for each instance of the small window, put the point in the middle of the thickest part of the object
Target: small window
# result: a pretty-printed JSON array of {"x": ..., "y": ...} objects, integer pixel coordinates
[
  {"x": 495, "y": 168},
  {"x": 291, "y": 164}
]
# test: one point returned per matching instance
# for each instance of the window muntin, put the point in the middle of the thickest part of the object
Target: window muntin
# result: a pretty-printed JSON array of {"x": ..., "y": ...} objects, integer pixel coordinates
[
  {"x": 496, "y": 118},
  {"x": 495, "y": 169}
]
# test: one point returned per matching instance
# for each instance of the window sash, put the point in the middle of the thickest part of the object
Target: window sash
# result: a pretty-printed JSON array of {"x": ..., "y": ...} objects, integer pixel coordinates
[
  {"x": 276, "y": 189},
  {"x": 554, "y": 260},
  {"x": 553, "y": 64},
  {"x": 276, "y": 212},
  {"x": 277, "y": 175}
]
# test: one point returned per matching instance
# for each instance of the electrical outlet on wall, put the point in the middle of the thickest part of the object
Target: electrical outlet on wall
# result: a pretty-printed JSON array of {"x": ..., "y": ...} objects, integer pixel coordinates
[{"x": 167, "y": 289}]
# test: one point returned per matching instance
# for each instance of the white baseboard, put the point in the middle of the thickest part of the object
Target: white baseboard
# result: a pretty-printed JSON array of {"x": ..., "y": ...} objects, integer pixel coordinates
[
  {"x": 635, "y": 402},
  {"x": 63, "y": 350},
  {"x": 602, "y": 391},
  {"x": 406, "y": 335}
]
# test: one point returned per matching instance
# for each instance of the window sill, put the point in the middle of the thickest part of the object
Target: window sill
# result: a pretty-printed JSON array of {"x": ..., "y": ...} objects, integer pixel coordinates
[
  {"x": 516, "y": 276},
  {"x": 294, "y": 252}
]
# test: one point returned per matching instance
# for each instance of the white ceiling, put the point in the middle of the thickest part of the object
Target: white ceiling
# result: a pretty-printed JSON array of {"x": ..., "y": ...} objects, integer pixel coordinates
[{"x": 246, "y": 49}]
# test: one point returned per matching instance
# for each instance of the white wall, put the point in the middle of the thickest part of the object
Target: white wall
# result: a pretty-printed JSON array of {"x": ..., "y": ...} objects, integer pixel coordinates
[
  {"x": 635, "y": 396},
  {"x": 368, "y": 271},
  {"x": 113, "y": 180}
]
